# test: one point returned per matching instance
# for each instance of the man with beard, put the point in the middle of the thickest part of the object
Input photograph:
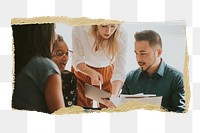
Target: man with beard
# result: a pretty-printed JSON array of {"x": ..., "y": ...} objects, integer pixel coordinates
[{"x": 154, "y": 76}]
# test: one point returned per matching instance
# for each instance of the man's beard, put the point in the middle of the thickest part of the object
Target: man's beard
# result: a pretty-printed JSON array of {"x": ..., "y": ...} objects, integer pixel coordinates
[{"x": 150, "y": 66}]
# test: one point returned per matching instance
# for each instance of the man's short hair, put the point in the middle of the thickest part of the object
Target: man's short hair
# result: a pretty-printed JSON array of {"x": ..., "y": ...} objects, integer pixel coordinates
[{"x": 149, "y": 35}]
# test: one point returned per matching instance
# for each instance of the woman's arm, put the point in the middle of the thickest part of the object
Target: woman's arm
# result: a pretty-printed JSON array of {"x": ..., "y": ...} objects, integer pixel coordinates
[
  {"x": 78, "y": 60},
  {"x": 53, "y": 93},
  {"x": 95, "y": 76},
  {"x": 116, "y": 87},
  {"x": 119, "y": 73}
]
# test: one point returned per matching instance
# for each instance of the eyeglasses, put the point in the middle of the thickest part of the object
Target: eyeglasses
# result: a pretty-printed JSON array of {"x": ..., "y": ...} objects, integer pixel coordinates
[{"x": 61, "y": 53}]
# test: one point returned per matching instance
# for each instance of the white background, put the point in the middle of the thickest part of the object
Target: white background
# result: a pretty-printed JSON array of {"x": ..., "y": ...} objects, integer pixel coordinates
[{"x": 134, "y": 121}]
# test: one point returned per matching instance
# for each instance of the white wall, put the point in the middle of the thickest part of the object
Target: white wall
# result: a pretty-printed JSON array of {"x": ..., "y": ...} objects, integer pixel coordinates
[{"x": 172, "y": 34}]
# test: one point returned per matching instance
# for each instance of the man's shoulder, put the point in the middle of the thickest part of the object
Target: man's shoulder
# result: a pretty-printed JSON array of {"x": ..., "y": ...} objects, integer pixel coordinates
[
  {"x": 133, "y": 73},
  {"x": 173, "y": 71}
]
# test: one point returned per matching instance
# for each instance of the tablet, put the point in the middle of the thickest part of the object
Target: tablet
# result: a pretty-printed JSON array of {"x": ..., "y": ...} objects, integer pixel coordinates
[{"x": 95, "y": 93}]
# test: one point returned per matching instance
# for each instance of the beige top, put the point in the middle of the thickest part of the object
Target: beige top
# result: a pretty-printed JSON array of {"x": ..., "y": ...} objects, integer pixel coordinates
[{"x": 83, "y": 52}]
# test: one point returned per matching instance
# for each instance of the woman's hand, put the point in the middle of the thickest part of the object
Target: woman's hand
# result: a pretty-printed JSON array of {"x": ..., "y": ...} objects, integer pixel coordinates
[
  {"x": 96, "y": 78},
  {"x": 108, "y": 103}
]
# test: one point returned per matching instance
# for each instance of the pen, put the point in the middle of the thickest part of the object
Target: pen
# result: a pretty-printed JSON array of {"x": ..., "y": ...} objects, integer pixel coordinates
[{"x": 100, "y": 86}]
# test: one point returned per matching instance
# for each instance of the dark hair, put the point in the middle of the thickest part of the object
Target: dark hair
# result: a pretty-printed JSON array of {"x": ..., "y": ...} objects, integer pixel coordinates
[
  {"x": 149, "y": 35},
  {"x": 59, "y": 39},
  {"x": 31, "y": 40}
]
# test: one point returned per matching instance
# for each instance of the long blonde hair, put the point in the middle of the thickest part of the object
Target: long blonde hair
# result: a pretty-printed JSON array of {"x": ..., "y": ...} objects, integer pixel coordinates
[{"x": 111, "y": 46}]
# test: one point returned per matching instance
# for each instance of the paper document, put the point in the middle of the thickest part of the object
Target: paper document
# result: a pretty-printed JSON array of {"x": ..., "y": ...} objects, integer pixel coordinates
[
  {"x": 146, "y": 98},
  {"x": 137, "y": 95},
  {"x": 97, "y": 95}
]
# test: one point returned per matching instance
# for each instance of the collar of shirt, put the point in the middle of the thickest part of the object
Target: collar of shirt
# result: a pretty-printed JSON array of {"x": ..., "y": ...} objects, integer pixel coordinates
[{"x": 160, "y": 70}]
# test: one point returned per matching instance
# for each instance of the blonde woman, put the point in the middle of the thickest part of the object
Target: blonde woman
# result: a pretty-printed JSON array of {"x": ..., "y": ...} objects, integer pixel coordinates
[{"x": 99, "y": 58}]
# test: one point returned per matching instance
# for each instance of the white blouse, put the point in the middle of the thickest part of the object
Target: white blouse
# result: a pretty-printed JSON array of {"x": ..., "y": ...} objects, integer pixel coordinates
[{"x": 82, "y": 45}]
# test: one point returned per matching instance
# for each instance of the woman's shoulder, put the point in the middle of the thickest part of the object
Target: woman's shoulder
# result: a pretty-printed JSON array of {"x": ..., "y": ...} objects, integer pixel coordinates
[
  {"x": 80, "y": 31},
  {"x": 67, "y": 73},
  {"x": 81, "y": 28},
  {"x": 42, "y": 60},
  {"x": 123, "y": 35},
  {"x": 43, "y": 63}
]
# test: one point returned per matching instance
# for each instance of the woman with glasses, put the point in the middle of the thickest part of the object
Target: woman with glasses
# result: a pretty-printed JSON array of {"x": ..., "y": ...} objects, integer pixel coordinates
[
  {"x": 60, "y": 56},
  {"x": 37, "y": 84},
  {"x": 99, "y": 58}
]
